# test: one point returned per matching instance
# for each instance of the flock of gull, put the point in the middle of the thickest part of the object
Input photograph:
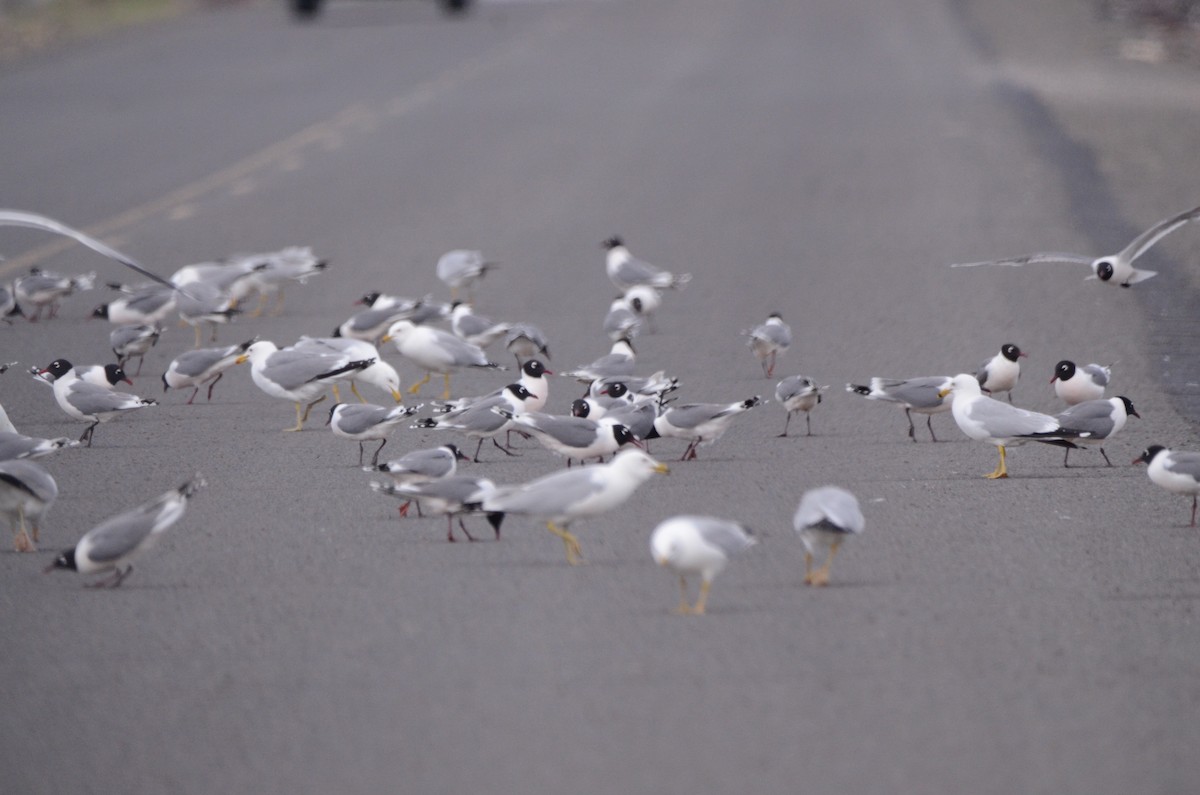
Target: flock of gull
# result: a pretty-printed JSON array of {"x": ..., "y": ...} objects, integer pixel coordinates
[{"x": 606, "y": 432}]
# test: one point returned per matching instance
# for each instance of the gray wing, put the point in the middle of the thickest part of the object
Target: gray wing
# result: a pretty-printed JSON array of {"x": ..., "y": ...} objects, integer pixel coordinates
[
  {"x": 463, "y": 352},
  {"x": 458, "y": 490},
  {"x": 1032, "y": 259},
  {"x": 35, "y": 221},
  {"x": 831, "y": 507},
  {"x": 360, "y": 417},
  {"x": 31, "y": 478},
  {"x": 636, "y": 271},
  {"x": 1157, "y": 232},
  {"x": 570, "y": 431},
  {"x": 1100, "y": 375},
  {"x": 127, "y": 334},
  {"x": 1003, "y": 421},
  {"x": 194, "y": 363},
  {"x": 778, "y": 335},
  {"x": 1092, "y": 416},
  {"x": 120, "y": 535},
  {"x": 729, "y": 537},
  {"x": 41, "y": 282},
  {"x": 92, "y": 399},
  {"x": 291, "y": 369},
  {"x": 149, "y": 301},
  {"x": 690, "y": 415},
  {"x": 18, "y": 445},
  {"x": 551, "y": 495},
  {"x": 432, "y": 462},
  {"x": 1184, "y": 464},
  {"x": 792, "y": 386},
  {"x": 638, "y": 418},
  {"x": 469, "y": 325},
  {"x": 919, "y": 393}
]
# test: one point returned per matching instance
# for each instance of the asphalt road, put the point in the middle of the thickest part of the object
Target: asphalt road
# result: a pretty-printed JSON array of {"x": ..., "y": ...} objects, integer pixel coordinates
[{"x": 825, "y": 160}]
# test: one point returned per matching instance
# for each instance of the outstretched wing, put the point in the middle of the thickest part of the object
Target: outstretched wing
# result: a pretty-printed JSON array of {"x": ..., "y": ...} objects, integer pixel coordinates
[
  {"x": 1155, "y": 233},
  {"x": 1031, "y": 259}
]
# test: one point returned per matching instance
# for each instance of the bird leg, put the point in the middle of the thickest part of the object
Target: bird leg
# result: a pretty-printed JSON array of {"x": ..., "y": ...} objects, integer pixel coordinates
[
  {"x": 478, "y": 447},
  {"x": 446, "y": 391},
  {"x": 503, "y": 449},
  {"x": 703, "y": 599},
  {"x": 299, "y": 421},
  {"x": 770, "y": 370},
  {"x": 141, "y": 359},
  {"x": 1001, "y": 468},
  {"x": 466, "y": 532},
  {"x": 786, "y": 423},
  {"x": 404, "y": 508},
  {"x": 574, "y": 552},
  {"x": 821, "y": 576},
  {"x": 21, "y": 542},
  {"x": 685, "y": 606},
  {"x": 1193, "y": 510},
  {"x": 337, "y": 396},
  {"x": 415, "y": 388},
  {"x": 196, "y": 328},
  {"x": 115, "y": 580},
  {"x": 87, "y": 434},
  {"x": 308, "y": 408},
  {"x": 374, "y": 458},
  {"x": 808, "y": 424},
  {"x": 278, "y": 310},
  {"x": 929, "y": 425},
  {"x": 690, "y": 452},
  {"x": 912, "y": 429},
  {"x": 808, "y": 562},
  {"x": 354, "y": 389},
  {"x": 211, "y": 384},
  {"x": 262, "y": 304},
  {"x": 1068, "y": 455},
  {"x": 1105, "y": 456},
  {"x": 360, "y": 454}
]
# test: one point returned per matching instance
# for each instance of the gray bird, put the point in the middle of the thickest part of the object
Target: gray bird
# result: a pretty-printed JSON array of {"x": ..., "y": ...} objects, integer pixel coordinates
[
  {"x": 575, "y": 438},
  {"x": 203, "y": 366},
  {"x": 479, "y": 421},
  {"x": 449, "y": 497},
  {"x": 1175, "y": 470},
  {"x": 1100, "y": 419},
  {"x": 89, "y": 402},
  {"x": 15, "y": 446},
  {"x": 420, "y": 466},
  {"x": 362, "y": 421},
  {"x": 922, "y": 395},
  {"x": 133, "y": 339},
  {"x": 462, "y": 268},
  {"x": 769, "y": 339},
  {"x": 798, "y": 393},
  {"x": 700, "y": 424},
  {"x": 116, "y": 542},
  {"x": 525, "y": 341},
  {"x": 824, "y": 519},
  {"x": 625, "y": 271},
  {"x": 26, "y": 492}
]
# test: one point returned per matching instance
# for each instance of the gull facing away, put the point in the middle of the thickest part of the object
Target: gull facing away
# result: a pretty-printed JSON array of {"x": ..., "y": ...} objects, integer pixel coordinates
[
  {"x": 798, "y": 393},
  {"x": 1113, "y": 268},
  {"x": 625, "y": 271},
  {"x": 115, "y": 542},
  {"x": 988, "y": 420},
  {"x": 448, "y": 496},
  {"x": 697, "y": 545},
  {"x": 922, "y": 395},
  {"x": 562, "y": 497},
  {"x": 769, "y": 339},
  {"x": 1001, "y": 372},
  {"x": 26, "y": 492},
  {"x": 825, "y": 517},
  {"x": 524, "y": 341},
  {"x": 1174, "y": 470}
]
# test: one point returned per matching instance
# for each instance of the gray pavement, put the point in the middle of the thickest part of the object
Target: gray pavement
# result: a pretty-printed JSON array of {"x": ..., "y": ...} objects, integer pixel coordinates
[{"x": 826, "y": 160}]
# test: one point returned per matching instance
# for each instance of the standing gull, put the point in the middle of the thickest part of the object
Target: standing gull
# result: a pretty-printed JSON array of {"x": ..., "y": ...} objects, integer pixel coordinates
[
  {"x": 89, "y": 402},
  {"x": 697, "y": 545},
  {"x": 362, "y": 421},
  {"x": 449, "y": 497},
  {"x": 115, "y": 542},
  {"x": 1114, "y": 268},
  {"x": 1174, "y": 470},
  {"x": 462, "y": 268},
  {"x": 769, "y": 339},
  {"x": 1001, "y": 372},
  {"x": 700, "y": 424},
  {"x": 1075, "y": 384},
  {"x": 480, "y": 421},
  {"x": 435, "y": 351},
  {"x": 562, "y": 497},
  {"x": 798, "y": 393},
  {"x": 1101, "y": 419},
  {"x": 133, "y": 339},
  {"x": 297, "y": 375},
  {"x": 922, "y": 395},
  {"x": 825, "y": 517},
  {"x": 196, "y": 368},
  {"x": 625, "y": 271},
  {"x": 420, "y": 466},
  {"x": 44, "y": 289}
]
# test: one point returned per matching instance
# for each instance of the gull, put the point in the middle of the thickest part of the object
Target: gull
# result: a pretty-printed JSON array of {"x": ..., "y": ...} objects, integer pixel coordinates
[
  {"x": 576, "y": 438},
  {"x": 435, "y": 351},
  {"x": 230, "y": 276},
  {"x": 561, "y": 498},
  {"x": 362, "y": 421},
  {"x": 922, "y": 395},
  {"x": 697, "y": 545},
  {"x": 115, "y": 542},
  {"x": 1001, "y": 372},
  {"x": 479, "y": 421},
  {"x": 525, "y": 340},
  {"x": 988, "y": 420},
  {"x": 798, "y": 393},
  {"x": 625, "y": 271},
  {"x": 644, "y": 300},
  {"x": 147, "y": 306},
  {"x": 621, "y": 321},
  {"x": 618, "y": 362},
  {"x": 420, "y": 466},
  {"x": 475, "y": 329},
  {"x": 462, "y": 268},
  {"x": 449, "y": 497},
  {"x": 44, "y": 289},
  {"x": 133, "y": 339},
  {"x": 47, "y": 224},
  {"x": 638, "y": 416},
  {"x": 204, "y": 302},
  {"x": 103, "y": 375},
  {"x": 14, "y": 446},
  {"x": 371, "y": 324},
  {"x": 1101, "y": 419},
  {"x": 196, "y": 368},
  {"x": 274, "y": 270},
  {"x": 656, "y": 385},
  {"x": 533, "y": 378},
  {"x": 825, "y": 517},
  {"x": 89, "y": 402},
  {"x": 1174, "y": 470},
  {"x": 297, "y": 375},
  {"x": 769, "y": 339},
  {"x": 26, "y": 492},
  {"x": 380, "y": 375},
  {"x": 700, "y": 424},
  {"x": 1075, "y": 384},
  {"x": 1113, "y": 268}
]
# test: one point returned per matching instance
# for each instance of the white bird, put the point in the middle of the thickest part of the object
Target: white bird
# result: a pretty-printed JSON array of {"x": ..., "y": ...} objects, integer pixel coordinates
[
  {"x": 824, "y": 519},
  {"x": 362, "y": 421},
  {"x": 298, "y": 375},
  {"x": 89, "y": 402},
  {"x": 475, "y": 329},
  {"x": 196, "y": 368},
  {"x": 922, "y": 395},
  {"x": 525, "y": 340},
  {"x": 462, "y": 268},
  {"x": 231, "y": 276},
  {"x": 1101, "y": 419},
  {"x": 1175, "y": 471},
  {"x": 798, "y": 393},
  {"x": 449, "y": 497},
  {"x": 44, "y": 289},
  {"x": 768, "y": 339},
  {"x": 644, "y": 300},
  {"x": 479, "y": 421},
  {"x": 116, "y": 542},
  {"x": 26, "y": 492},
  {"x": 562, "y": 497},
  {"x": 435, "y": 351},
  {"x": 697, "y": 545},
  {"x": 621, "y": 321},
  {"x": 371, "y": 324},
  {"x": 1001, "y": 372},
  {"x": 988, "y": 420},
  {"x": 700, "y": 424},
  {"x": 1075, "y": 384},
  {"x": 381, "y": 375},
  {"x": 625, "y": 271},
  {"x": 133, "y": 339},
  {"x": 1114, "y": 268}
]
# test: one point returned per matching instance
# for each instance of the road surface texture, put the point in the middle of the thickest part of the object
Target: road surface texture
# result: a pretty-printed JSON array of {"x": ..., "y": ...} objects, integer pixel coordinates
[{"x": 826, "y": 160}]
